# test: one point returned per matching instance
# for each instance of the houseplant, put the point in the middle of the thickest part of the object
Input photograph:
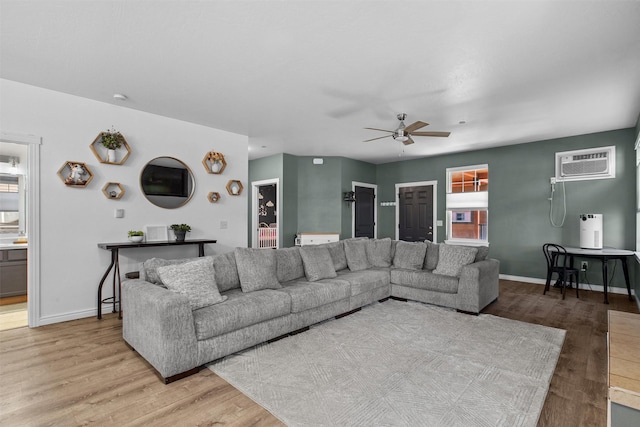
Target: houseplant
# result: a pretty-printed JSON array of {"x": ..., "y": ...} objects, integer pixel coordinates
[
  {"x": 135, "y": 236},
  {"x": 180, "y": 230},
  {"x": 111, "y": 140}
]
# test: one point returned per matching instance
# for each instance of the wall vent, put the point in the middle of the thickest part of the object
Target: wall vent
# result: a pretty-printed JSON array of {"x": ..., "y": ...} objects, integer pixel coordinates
[{"x": 591, "y": 163}]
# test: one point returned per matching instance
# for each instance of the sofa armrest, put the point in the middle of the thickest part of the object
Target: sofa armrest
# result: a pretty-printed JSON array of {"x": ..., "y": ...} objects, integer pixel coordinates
[
  {"x": 159, "y": 325},
  {"x": 479, "y": 285}
]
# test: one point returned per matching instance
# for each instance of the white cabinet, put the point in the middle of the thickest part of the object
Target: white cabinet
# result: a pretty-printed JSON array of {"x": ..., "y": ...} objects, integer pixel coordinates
[{"x": 304, "y": 239}]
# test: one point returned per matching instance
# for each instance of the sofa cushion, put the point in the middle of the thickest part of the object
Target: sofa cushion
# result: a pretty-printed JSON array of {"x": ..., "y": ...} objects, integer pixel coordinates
[
  {"x": 305, "y": 295},
  {"x": 257, "y": 269},
  {"x": 339, "y": 258},
  {"x": 289, "y": 264},
  {"x": 433, "y": 251},
  {"x": 379, "y": 252},
  {"x": 356, "y": 252},
  {"x": 226, "y": 271},
  {"x": 483, "y": 253},
  {"x": 424, "y": 280},
  {"x": 195, "y": 280},
  {"x": 410, "y": 255},
  {"x": 365, "y": 280},
  {"x": 239, "y": 311},
  {"x": 452, "y": 258},
  {"x": 317, "y": 263},
  {"x": 150, "y": 267}
]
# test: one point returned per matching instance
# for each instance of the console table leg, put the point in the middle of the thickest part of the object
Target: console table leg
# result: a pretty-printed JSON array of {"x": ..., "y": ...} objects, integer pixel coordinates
[
  {"x": 104, "y": 277},
  {"x": 605, "y": 283},
  {"x": 625, "y": 269}
]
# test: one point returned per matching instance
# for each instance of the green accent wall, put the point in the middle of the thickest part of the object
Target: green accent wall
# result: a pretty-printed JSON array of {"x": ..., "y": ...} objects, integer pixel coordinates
[{"x": 518, "y": 198}]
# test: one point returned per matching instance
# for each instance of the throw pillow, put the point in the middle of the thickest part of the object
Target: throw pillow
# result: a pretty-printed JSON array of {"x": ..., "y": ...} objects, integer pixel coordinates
[
  {"x": 195, "y": 280},
  {"x": 226, "y": 271},
  {"x": 150, "y": 267},
  {"x": 257, "y": 269},
  {"x": 409, "y": 255},
  {"x": 452, "y": 258},
  {"x": 317, "y": 263},
  {"x": 431, "y": 260},
  {"x": 289, "y": 264},
  {"x": 336, "y": 249},
  {"x": 356, "y": 252},
  {"x": 379, "y": 252},
  {"x": 483, "y": 253}
]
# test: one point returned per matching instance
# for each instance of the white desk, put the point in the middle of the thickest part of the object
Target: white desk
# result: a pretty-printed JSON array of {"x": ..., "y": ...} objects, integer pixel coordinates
[{"x": 604, "y": 255}]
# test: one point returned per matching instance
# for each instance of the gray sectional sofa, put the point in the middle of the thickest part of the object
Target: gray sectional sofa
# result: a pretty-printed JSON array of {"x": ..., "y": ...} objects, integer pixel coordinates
[{"x": 184, "y": 313}]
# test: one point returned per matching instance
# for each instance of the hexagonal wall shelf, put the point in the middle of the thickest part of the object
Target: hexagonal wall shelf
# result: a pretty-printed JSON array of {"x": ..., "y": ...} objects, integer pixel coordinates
[
  {"x": 213, "y": 196},
  {"x": 101, "y": 152},
  {"x": 75, "y": 174},
  {"x": 113, "y": 190},
  {"x": 234, "y": 187},
  {"x": 214, "y": 162}
]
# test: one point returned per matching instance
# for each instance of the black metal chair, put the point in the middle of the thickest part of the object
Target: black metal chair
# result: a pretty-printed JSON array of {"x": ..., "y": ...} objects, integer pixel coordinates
[{"x": 559, "y": 262}]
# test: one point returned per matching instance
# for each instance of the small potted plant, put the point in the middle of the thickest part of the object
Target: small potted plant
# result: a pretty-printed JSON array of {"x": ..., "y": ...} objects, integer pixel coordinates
[
  {"x": 111, "y": 140},
  {"x": 135, "y": 236},
  {"x": 180, "y": 230}
]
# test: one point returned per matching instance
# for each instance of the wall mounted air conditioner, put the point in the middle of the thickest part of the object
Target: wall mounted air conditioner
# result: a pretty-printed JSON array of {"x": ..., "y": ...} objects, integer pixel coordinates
[{"x": 590, "y": 163}]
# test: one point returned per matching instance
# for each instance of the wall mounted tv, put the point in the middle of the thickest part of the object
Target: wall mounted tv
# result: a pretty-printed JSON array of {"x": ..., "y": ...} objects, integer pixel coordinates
[{"x": 165, "y": 181}]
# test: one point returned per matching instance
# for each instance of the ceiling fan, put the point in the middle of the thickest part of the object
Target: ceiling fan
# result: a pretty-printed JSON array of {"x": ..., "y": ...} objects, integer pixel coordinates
[{"x": 404, "y": 133}]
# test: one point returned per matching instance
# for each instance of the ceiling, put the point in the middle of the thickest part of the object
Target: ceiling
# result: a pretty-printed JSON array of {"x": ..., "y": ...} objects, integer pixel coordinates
[{"x": 305, "y": 77}]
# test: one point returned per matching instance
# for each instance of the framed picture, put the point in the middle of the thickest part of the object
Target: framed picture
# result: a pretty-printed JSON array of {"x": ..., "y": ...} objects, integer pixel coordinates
[
  {"x": 459, "y": 216},
  {"x": 156, "y": 233}
]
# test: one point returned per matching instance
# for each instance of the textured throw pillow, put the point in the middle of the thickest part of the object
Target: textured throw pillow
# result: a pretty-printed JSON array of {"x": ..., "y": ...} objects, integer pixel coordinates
[
  {"x": 289, "y": 264},
  {"x": 379, "y": 252},
  {"x": 452, "y": 258},
  {"x": 483, "y": 253},
  {"x": 433, "y": 251},
  {"x": 410, "y": 255},
  {"x": 257, "y": 269},
  {"x": 150, "y": 267},
  {"x": 336, "y": 249},
  {"x": 317, "y": 263},
  {"x": 356, "y": 252},
  {"x": 226, "y": 271},
  {"x": 195, "y": 280}
]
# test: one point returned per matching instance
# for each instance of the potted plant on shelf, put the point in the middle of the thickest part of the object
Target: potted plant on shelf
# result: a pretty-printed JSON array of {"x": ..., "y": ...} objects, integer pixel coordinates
[
  {"x": 135, "y": 236},
  {"x": 111, "y": 140},
  {"x": 180, "y": 230}
]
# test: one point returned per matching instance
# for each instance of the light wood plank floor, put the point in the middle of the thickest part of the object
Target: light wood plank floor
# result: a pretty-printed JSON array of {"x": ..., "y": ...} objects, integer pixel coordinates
[{"x": 81, "y": 372}]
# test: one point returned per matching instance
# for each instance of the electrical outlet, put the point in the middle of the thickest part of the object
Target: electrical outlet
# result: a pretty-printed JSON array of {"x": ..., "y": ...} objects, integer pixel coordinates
[
  {"x": 552, "y": 180},
  {"x": 584, "y": 266}
]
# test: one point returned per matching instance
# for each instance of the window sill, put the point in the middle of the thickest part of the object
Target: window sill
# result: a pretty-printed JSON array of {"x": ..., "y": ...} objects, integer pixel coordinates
[{"x": 467, "y": 242}]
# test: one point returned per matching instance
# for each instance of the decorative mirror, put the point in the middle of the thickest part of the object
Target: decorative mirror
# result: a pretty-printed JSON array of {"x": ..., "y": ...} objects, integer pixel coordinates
[{"x": 167, "y": 182}]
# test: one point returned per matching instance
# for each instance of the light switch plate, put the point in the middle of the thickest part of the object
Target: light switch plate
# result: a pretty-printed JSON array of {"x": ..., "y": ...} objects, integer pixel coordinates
[
  {"x": 223, "y": 225},
  {"x": 119, "y": 213},
  {"x": 439, "y": 223}
]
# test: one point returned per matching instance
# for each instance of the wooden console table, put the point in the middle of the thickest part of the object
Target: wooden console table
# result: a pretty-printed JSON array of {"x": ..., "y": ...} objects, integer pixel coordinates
[
  {"x": 115, "y": 266},
  {"x": 623, "y": 345}
]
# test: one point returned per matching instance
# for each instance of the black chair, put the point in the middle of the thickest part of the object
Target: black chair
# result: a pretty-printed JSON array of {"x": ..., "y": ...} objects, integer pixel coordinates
[{"x": 559, "y": 262}]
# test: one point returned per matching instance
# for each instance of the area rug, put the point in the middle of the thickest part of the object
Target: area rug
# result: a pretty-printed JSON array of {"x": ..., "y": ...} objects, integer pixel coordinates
[{"x": 402, "y": 364}]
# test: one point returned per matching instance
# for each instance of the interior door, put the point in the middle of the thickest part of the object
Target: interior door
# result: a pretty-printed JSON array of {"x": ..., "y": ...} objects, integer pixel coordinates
[
  {"x": 416, "y": 213},
  {"x": 364, "y": 212}
]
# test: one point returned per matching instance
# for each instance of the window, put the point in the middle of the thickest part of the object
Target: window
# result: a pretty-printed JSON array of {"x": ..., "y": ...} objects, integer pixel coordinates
[{"x": 467, "y": 204}]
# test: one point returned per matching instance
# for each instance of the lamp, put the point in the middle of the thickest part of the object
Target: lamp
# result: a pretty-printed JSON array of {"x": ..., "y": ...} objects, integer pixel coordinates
[
  {"x": 399, "y": 134},
  {"x": 349, "y": 197}
]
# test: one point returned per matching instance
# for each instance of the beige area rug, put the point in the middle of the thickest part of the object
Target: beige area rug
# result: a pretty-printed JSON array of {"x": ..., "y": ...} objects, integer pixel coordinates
[{"x": 402, "y": 364}]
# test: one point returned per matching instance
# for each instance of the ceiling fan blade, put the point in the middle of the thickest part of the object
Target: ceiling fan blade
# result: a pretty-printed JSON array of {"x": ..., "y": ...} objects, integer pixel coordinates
[
  {"x": 381, "y": 130},
  {"x": 442, "y": 134},
  {"x": 415, "y": 126},
  {"x": 373, "y": 139},
  {"x": 408, "y": 141}
]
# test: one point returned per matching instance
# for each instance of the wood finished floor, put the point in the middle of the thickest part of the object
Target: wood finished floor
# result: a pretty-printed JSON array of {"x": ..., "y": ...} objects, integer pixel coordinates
[{"x": 81, "y": 372}]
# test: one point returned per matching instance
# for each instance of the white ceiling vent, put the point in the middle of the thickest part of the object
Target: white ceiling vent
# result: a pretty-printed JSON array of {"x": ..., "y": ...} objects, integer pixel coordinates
[{"x": 591, "y": 163}]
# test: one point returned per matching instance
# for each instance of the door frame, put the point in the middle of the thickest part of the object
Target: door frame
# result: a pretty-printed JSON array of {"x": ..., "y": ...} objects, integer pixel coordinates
[
  {"x": 355, "y": 184},
  {"x": 254, "y": 211},
  {"x": 435, "y": 204},
  {"x": 33, "y": 221}
]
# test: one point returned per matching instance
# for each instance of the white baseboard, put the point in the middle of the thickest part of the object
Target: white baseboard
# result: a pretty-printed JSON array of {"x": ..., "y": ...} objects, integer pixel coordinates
[
  {"x": 585, "y": 286},
  {"x": 75, "y": 315}
]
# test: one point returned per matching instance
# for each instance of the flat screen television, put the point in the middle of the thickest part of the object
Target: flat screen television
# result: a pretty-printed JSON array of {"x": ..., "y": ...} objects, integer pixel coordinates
[{"x": 165, "y": 181}]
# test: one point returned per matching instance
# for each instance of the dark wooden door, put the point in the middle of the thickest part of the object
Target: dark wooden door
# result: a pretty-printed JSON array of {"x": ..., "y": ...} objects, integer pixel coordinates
[
  {"x": 416, "y": 213},
  {"x": 364, "y": 212}
]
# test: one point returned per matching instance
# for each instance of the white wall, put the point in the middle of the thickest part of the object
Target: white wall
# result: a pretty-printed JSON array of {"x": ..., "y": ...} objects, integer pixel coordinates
[{"x": 75, "y": 220}]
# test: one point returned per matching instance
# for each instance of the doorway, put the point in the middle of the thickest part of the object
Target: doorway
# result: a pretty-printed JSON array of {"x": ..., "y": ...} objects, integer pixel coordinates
[
  {"x": 265, "y": 205},
  {"x": 416, "y": 211},
  {"x": 364, "y": 210},
  {"x": 22, "y": 259}
]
